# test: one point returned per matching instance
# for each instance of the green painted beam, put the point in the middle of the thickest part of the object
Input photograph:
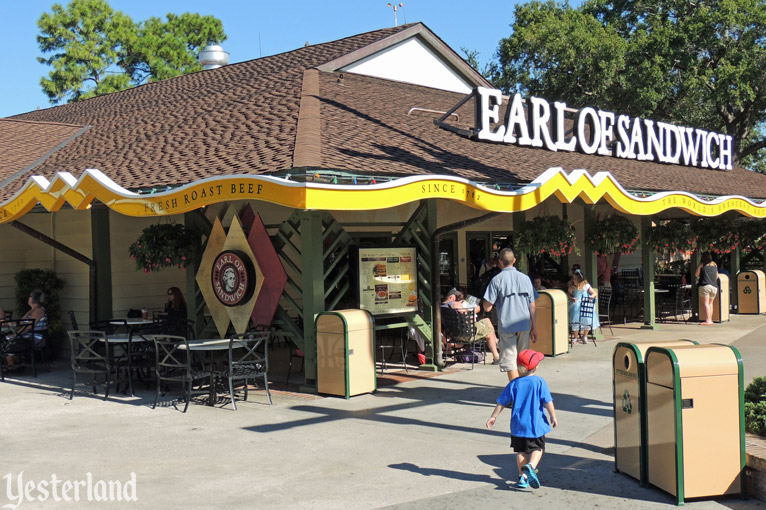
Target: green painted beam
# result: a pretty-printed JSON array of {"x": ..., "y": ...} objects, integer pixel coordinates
[
  {"x": 591, "y": 268},
  {"x": 522, "y": 263},
  {"x": 734, "y": 263},
  {"x": 694, "y": 261},
  {"x": 647, "y": 263},
  {"x": 312, "y": 266},
  {"x": 196, "y": 221},
  {"x": 102, "y": 256}
]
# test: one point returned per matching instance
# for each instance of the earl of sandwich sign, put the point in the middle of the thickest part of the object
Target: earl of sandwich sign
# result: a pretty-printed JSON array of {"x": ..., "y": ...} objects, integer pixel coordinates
[{"x": 597, "y": 132}]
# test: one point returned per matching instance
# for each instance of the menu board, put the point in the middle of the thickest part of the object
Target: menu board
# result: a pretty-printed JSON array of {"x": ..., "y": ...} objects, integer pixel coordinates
[{"x": 388, "y": 280}]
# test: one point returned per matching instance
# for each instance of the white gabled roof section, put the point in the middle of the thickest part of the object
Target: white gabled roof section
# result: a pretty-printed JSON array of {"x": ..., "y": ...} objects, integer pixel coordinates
[
  {"x": 414, "y": 55},
  {"x": 411, "y": 61}
]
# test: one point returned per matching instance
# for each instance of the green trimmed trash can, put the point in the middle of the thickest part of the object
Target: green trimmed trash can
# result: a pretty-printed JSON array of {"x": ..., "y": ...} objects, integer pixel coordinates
[
  {"x": 721, "y": 303},
  {"x": 629, "y": 398},
  {"x": 751, "y": 292},
  {"x": 345, "y": 352},
  {"x": 551, "y": 322},
  {"x": 696, "y": 420}
]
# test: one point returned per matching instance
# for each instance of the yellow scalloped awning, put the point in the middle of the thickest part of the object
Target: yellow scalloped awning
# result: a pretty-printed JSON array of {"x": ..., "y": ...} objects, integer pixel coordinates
[{"x": 94, "y": 185}]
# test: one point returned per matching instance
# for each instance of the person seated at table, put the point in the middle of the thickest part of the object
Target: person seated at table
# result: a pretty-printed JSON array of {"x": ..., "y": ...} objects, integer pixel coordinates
[
  {"x": 484, "y": 327},
  {"x": 20, "y": 341},
  {"x": 175, "y": 313},
  {"x": 577, "y": 290}
]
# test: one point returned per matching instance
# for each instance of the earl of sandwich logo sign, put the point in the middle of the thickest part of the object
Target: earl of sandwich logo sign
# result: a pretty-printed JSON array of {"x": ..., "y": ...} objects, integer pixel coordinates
[
  {"x": 233, "y": 278},
  {"x": 597, "y": 132}
]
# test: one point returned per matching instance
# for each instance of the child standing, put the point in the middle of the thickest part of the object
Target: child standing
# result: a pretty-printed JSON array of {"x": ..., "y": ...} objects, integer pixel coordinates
[{"x": 528, "y": 394}]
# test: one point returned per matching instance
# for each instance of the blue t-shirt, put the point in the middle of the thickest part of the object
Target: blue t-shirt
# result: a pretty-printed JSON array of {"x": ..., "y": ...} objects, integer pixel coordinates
[
  {"x": 528, "y": 395},
  {"x": 511, "y": 292}
]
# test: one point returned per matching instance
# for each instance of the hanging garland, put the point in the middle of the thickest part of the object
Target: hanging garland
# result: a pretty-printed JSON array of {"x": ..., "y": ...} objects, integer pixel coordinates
[
  {"x": 670, "y": 238},
  {"x": 717, "y": 235},
  {"x": 616, "y": 234},
  {"x": 752, "y": 235},
  {"x": 162, "y": 246},
  {"x": 546, "y": 234}
]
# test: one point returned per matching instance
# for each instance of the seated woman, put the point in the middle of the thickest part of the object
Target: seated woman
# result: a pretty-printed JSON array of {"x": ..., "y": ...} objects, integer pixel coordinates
[
  {"x": 175, "y": 313},
  {"x": 20, "y": 342},
  {"x": 578, "y": 288}
]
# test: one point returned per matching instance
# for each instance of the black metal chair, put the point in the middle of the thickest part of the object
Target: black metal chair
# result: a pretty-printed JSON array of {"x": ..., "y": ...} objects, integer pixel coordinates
[
  {"x": 18, "y": 344},
  {"x": 460, "y": 327},
  {"x": 73, "y": 320},
  {"x": 295, "y": 353},
  {"x": 88, "y": 355},
  {"x": 174, "y": 364},
  {"x": 676, "y": 303},
  {"x": 683, "y": 302},
  {"x": 632, "y": 298},
  {"x": 587, "y": 311},
  {"x": 604, "y": 307},
  {"x": 129, "y": 358},
  {"x": 248, "y": 359}
]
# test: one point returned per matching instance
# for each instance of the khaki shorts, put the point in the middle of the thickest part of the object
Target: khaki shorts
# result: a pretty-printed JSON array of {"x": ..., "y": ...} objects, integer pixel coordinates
[
  {"x": 483, "y": 328},
  {"x": 708, "y": 290},
  {"x": 510, "y": 345}
]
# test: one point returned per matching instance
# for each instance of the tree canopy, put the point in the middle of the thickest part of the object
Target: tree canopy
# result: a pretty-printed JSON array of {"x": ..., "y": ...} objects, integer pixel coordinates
[
  {"x": 96, "y": 50},
  {"x": 699, "y": 63}
]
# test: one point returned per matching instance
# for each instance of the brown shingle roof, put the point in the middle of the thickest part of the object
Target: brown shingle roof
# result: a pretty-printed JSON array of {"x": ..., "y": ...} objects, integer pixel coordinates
[
  {"x": 25, "y": 145},
  {"x": 247, "y": 118},
  {"x": 237, "y": 119},
  {"x": 366, "y": 127}
]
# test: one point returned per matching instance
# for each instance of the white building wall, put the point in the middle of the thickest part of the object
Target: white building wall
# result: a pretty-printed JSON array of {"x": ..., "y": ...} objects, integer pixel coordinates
[{"x": 21, "y": 251}]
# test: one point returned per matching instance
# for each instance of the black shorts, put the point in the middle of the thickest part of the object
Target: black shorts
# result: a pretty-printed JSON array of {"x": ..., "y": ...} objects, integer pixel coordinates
[{"x": 527, "y": 444}]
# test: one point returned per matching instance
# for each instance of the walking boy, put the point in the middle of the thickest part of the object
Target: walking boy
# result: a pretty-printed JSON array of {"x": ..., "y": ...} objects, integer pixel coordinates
[{"x": 528, "y": 394}]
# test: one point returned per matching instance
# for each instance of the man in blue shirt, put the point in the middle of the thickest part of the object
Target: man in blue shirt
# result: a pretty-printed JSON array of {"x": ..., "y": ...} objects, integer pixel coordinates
[
  {"x": 529, "y": 395},
  {"x": 512, "y": 292}
]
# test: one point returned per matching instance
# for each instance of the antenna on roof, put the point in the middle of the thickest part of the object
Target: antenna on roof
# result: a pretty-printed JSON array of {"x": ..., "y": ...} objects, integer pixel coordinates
[{"x": 396, "y": 6}]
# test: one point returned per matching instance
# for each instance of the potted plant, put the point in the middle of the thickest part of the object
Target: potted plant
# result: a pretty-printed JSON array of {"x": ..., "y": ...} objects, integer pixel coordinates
[
  {"x": 616, "y": 234},
  {"x": 546, "y": 234},
  {"x": 161, "y": 246},
  {"x": 670, "y": 238}
]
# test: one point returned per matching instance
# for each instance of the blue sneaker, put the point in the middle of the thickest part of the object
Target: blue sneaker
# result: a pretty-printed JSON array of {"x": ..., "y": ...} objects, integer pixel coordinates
[
  {"x": 531, "y": 473},
  {"x": 523, "y": 483}
]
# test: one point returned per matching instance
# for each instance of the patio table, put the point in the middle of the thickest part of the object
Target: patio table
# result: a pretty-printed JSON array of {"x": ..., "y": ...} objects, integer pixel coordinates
[
  {"x": 212, "y": 346},
  {"x": 132, "y": 336}
]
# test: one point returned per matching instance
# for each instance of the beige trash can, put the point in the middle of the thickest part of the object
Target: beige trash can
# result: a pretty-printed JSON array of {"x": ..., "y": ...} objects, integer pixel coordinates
[
  {"x": 345, "y": 353},
  {"x": 696, "y": 422},
  {"x": 721, "y": 303},
  {"x": 551, "y": 322},
  {"x": 751, "y": 292},
  {"x": 629, "y": 399}
]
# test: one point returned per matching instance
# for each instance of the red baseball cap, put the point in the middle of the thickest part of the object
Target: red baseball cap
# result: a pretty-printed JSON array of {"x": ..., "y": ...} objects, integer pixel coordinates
[{"x": 529, "y": 358}]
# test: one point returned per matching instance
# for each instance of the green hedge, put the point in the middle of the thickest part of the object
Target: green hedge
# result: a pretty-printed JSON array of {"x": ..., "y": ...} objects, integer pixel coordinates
[{"x": 755, "y": 407}]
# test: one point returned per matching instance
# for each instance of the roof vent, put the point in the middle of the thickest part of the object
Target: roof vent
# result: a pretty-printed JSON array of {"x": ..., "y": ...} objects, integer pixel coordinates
[{"x": 213, "y": 57}]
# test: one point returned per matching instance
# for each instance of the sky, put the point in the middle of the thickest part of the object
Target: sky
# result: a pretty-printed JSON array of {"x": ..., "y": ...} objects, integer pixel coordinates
[{"x": 257, "y": 28}]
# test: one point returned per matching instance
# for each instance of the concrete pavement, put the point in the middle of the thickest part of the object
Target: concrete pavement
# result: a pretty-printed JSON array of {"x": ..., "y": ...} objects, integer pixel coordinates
[{"x": 417, "y": 444}]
